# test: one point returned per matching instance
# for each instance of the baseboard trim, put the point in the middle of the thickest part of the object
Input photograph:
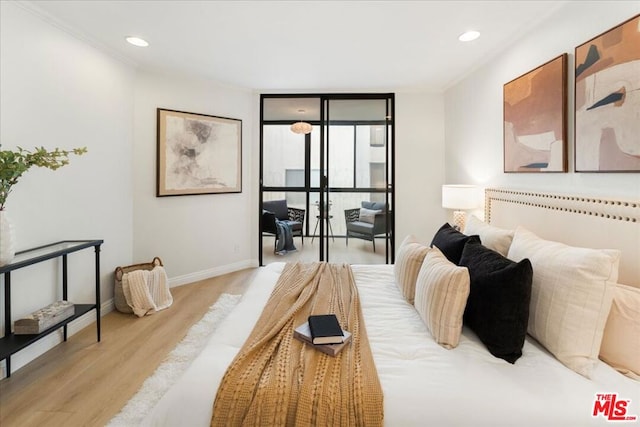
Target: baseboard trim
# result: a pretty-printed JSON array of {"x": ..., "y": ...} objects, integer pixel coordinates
[
  {"x": 45, "y": 344},
  {"x": 212, "y": 272},
  {"x": 38, "y": 348}
]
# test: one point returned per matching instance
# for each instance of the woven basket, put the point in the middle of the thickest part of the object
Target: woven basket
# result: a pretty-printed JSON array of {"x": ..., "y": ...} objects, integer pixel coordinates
[{"x": 118, "y": 293}]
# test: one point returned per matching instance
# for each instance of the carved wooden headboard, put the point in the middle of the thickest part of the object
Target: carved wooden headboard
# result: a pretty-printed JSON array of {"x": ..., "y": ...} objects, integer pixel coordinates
[{"x": 591, "y": 222}]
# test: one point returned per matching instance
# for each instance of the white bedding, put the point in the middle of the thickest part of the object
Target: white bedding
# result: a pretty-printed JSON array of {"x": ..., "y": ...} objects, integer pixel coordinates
[{"x": 423, "y": 383}]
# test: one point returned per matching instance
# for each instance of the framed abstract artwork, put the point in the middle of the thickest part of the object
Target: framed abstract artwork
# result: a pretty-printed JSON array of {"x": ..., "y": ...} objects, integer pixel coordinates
[
  {"x": 198, "y": 154},
  {"x": 607, "y": 101},
  {"x": 535, "y": 119}
]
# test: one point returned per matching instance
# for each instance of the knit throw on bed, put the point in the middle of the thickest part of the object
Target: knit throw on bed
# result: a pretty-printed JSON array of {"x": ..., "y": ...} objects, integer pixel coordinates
[{"x": 276, "y": 380}]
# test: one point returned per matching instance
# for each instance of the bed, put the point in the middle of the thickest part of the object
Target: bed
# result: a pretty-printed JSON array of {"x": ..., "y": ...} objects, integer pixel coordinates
[{"x": 423, "y": 382}]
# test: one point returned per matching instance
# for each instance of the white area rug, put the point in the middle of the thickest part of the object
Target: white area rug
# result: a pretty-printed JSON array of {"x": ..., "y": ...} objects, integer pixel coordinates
[{"x": 175, "y": 363}]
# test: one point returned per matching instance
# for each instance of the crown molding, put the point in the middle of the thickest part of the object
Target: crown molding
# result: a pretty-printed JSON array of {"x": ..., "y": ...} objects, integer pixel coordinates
[{"x": 73, "y": 31}]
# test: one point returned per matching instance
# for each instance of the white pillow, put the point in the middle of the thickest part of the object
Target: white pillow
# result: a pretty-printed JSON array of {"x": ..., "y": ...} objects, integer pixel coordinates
[
  {"x": 368, "y": 215},
  {"x": 571, "y": 295},
  {"x": 408, "y": 262},
  {"x": 621, "y": 340},
  {"x": 442, "y": 289},
  {"x": 494, "y": 238}
]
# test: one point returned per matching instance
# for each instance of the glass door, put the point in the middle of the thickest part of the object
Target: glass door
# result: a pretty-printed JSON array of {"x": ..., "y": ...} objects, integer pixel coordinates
[
  {"x": 333, "y": 181},
  {"x": 358, "y": 166}
]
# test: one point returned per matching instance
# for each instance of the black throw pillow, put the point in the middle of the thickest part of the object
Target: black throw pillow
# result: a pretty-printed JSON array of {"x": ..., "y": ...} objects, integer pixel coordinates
[
  {"x": 451, "y": 242},
  {"x": 498, "y": 305}
]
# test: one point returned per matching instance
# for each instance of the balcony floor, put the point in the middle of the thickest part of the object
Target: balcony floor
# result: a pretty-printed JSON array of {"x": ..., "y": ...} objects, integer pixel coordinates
[{"x": 358, "y": 252}]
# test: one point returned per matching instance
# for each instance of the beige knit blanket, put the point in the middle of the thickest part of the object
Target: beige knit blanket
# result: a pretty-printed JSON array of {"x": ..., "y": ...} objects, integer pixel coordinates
[
  {"x": 146, "y": 291},
  {"x": 276, "y": 380}
]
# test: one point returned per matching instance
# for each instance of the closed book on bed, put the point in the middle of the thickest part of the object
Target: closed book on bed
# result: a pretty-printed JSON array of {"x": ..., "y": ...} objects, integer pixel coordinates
[
  {"x": 325, "y": 329},
  {"x": 303, "y": 334}
]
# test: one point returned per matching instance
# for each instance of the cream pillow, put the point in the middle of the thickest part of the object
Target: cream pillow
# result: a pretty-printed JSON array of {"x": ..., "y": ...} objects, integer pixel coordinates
[
  {"x": 494, "y": 238},
  {"x": 368, "y": 215},
  {"x": 408, "y": 262},
  {"x": 571, "y": 295},
  {"x": 442, "y": 289},
  {"x": 621, "y": 341}
]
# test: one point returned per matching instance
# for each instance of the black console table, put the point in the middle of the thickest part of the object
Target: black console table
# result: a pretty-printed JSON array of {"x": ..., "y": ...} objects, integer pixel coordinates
[{"x": 12, "y": 343}]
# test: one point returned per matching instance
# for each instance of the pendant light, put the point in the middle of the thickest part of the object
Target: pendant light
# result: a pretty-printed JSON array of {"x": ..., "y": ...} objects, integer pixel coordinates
[{"x": 301, "y": 127}]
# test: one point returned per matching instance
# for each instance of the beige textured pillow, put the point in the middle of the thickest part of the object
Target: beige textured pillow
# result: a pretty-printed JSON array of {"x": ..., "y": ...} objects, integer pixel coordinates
[
  {"x": 408, "y": 262},
  {"x": 621, "y": 341},
  {"x": 442, "y": 289},
  {"x": 571, "y": 296},
  {"x": 495, "y": 238}
]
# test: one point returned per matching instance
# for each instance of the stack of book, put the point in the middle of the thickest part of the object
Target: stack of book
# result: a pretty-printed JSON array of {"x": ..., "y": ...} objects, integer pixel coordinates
[{"x": 324, "y": 333}]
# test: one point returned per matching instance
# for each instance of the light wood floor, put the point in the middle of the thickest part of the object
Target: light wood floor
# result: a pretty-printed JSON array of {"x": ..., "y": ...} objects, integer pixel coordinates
[{"x": 85, "y": 383}]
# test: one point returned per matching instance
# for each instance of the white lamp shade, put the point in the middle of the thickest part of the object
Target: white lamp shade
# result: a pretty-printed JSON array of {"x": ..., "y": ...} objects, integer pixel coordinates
[
  {"x": 460, "y": 197},
  {"x": 301, "y": 127}
]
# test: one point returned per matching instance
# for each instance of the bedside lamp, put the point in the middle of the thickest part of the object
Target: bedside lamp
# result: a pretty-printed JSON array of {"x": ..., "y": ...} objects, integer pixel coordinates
[{"x": 459, "y": 198}]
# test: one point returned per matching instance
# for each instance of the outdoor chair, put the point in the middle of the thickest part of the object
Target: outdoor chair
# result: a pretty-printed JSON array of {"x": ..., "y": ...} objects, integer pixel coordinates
[
  {"x": 366, "y": 222},
  {"x": 278, "y": 209}
]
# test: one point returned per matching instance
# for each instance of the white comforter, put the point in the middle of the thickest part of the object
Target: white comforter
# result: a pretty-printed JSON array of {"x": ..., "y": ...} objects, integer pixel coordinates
[{"x": 423, "y": 383}]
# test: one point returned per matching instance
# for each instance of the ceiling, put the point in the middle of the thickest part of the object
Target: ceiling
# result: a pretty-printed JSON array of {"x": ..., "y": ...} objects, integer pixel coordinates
[{"x": 304, "y": 45}]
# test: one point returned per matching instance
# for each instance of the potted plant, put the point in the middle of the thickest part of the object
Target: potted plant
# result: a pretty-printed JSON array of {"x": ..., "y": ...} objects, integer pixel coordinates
[{"x": 13, "y": 164}]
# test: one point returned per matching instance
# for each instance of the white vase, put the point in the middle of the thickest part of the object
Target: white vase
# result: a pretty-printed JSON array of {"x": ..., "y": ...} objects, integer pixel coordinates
[{"x": 7, "y": 239}]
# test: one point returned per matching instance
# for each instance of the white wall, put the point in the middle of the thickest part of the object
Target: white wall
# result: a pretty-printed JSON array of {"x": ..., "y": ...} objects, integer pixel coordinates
[
  {"x": 420, "y": 168},
  {"x": 473, "y": 108},
  {"x": 202, "y": 236},
  {"x": 195, "y": 236},
  {"x": 58, "y": 91}
]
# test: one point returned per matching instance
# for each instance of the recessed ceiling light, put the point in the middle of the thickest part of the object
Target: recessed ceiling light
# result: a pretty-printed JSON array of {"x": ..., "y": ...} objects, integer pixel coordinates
[
  {"x": 468, "y": 36},
  {"x": 137, "y": 41}
]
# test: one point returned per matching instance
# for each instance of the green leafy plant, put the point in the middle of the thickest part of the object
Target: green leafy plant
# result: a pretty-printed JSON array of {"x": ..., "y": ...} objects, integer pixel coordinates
[{"x": 14, "y": 163}]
